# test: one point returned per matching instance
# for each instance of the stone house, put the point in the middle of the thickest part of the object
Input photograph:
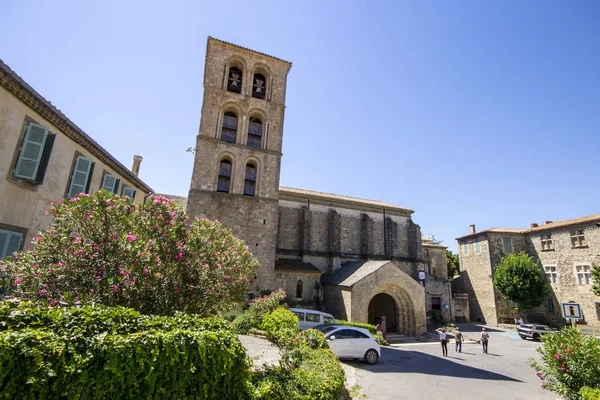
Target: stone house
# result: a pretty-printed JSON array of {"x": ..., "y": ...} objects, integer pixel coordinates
[
  {"x": 359, "y": 259},
  {"x": 564, "y": 250},
  {"x": 45, "y": 157}
]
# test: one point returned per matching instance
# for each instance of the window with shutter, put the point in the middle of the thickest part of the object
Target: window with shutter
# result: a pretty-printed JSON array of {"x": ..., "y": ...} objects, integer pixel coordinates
[
  {"x": 250, "y": 180},
  {"x": 224, "y": 176},
  {"x": 9, "y": 242},
  {"x": 127, "y": 191},
  {"x": 31, "y": 152},
  {"x": 230, "y": 125},
  {"x": 81, "y": 173},
  {"x": 109, "y": 182},
  {"x": 255, "y": 133}
]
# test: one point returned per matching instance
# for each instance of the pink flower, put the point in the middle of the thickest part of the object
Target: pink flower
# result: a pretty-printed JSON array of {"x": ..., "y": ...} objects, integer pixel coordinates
[
  {"x": 539, "y": 375},
  {"x": 115, "y": 288},
  {"x": 59, "y": 264},
  {"x": 146, "y": 271},
  {"x": 543, "y": 386},
  {"x": 130, "y": 237},
  {"x": 176, "y": 289},
  {"x": 158, "y": 274},
  {"x": 18, "y": 281},
  {"x": 557, "y": 356}
]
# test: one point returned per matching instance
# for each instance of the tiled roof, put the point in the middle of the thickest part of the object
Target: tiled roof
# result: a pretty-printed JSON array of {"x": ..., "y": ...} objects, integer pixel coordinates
[
  {"x": 546, "y": 227},
  {"x": 21, "y": 89},
  {"x": 352, "y": 272},
  {"x": 433, "y": 245},
  {"x": 346, "y": 199},
  {"x": 295, "y": 266},
  {"x": 247, "y": 49}
]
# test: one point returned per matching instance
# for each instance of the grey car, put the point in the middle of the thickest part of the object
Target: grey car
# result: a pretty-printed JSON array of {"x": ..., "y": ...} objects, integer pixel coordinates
[{"x": 534, "y": 331}]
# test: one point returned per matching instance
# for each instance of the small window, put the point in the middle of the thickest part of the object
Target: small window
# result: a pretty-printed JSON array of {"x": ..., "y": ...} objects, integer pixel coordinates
[
  {"x": 255, "y": 133},
  {"x": 360, "y": 335},
  {"x": 235, "y": 80},
  {"x": 299, "y": 289},
  {"x": 583, "y": 275},
  {"x": 551, "y": 273},
  {"x": 110, "y": 183},
  {"x": 465, "y": 248},
  {"x": 224, "y": 176},
  {"x": 258, "y": 87},
  {"x": 477, "y": 247},
  {"x": 547, "y": 243},
  {"x": 577, "y": 238},
  {"x": 10, "y": 242},
  {"x": 328, "y": 320},
  {"x": 230, "y": 125},
  {"x": 344, "y": 334},
  {"x": 250, "y": 181},
  {"x": 436, "y": 303},
  {"x": 300, "y": 315},
  {"x": 82, "y": 175},
  {"x": 34, "y": 153},
  {"x": 507, "y": 244},
  {"x": 127, "y": 191},
  {"x": 550, "y": 306},
  {"x": 313, "y": 317}
]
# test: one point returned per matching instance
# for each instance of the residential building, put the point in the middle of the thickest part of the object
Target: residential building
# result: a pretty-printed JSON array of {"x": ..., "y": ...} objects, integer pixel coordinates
[
  {"x": 45, "y": 157},
  {"x": 564, "y": 250}
]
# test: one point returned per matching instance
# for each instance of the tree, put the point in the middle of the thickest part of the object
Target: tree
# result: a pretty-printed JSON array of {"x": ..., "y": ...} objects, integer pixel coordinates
[
  {"x": 596, "y": 278},
  {"x": 453, "y": 264},
  {"x": 104, "y": 249},
  {"x": 521, "y": 280}
]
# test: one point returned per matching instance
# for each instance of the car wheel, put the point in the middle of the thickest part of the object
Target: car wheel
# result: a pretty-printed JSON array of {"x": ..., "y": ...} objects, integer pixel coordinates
[
  {"x": 535, "y": 336},
  {"x": 371, "y": 356},
  {"x": 523, "y": 337}
]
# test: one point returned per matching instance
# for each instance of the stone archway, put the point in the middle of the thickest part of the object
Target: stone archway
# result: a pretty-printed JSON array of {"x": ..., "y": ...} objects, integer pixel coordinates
[
  {"x": 405, "y": 322},
  {"x": 383, "y": 310}
]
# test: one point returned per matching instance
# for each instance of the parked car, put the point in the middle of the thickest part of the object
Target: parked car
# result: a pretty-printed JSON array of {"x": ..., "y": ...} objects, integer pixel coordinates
[
  {"x": 311, "y": 318},
  {"x": 534, "y": 331},
  {"x": 351, "y": 342}
]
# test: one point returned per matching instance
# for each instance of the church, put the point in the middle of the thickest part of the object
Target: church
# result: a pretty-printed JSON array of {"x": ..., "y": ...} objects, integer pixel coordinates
[{"x": 361, "y": 260}]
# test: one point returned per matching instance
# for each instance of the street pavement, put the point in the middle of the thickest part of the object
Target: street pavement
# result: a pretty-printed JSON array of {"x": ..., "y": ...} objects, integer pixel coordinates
[{"x": 418, "y": 371}]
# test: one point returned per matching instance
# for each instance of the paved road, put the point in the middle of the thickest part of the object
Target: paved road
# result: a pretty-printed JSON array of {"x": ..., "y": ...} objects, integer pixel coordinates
[{"x": 418, "y": 371}]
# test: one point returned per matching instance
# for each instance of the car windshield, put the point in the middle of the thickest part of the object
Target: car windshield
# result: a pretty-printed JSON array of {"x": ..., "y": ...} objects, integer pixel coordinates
[
  {"x": 324, "y": 328},
  {"x": 543, "y": 328}
]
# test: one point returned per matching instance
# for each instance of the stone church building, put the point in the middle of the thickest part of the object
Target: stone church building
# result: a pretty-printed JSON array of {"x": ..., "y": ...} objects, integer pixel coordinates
[{"x": 361, "y": 260}]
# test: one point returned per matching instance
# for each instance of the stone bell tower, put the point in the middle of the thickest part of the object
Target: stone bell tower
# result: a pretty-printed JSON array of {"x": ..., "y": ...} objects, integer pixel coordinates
[{"x": 238, "y": 149}]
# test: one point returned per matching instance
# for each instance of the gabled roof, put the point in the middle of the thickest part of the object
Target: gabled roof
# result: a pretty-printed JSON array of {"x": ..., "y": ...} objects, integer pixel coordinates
[
  {"x": 546, "y": 227},
  {"x": 21, "y": 89},
  {"x": 295, "y": 266},
  {"x": 210, "y": 38},
  {"x": 352, "y": 272},
  {"x": 329, "y": 197}
]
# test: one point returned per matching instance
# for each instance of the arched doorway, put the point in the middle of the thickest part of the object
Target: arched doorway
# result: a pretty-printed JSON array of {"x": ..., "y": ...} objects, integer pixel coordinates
[{"x": 383, "y": 308}]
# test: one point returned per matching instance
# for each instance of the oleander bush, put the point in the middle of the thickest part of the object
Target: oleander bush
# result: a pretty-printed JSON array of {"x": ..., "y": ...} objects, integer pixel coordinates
[
  {"x": 102, "y": 248},
  {"x": 105, "y": 353},
  {"x": 372, "y": 328},
  {"x": 569, "y": 362}
]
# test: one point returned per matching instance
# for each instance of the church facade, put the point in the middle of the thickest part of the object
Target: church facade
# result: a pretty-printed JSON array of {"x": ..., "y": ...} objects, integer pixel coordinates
[{"x": 361, "y": 260}]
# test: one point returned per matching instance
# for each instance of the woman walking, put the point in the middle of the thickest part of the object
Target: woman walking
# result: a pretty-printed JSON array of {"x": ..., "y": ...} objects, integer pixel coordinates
[
  {"x": 443, "y": 340},
  {"x": 458, "y": 337}
]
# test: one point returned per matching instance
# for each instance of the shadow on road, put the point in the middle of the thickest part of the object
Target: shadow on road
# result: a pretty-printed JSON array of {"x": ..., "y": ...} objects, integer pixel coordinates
[{"x": 399, "y": 360}]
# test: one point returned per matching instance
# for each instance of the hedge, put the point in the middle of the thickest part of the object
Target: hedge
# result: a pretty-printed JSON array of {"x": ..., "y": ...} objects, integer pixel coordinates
[
  {"x": 371, "y": 328},
  {"x": 116, "y": 353}
]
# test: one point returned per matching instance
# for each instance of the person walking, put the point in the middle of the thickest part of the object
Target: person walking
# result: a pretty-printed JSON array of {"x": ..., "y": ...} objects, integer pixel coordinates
[
  {"x": 443, "y": 340},
  {"x": 458, "y": 338},
  {"x": 484, "y": 340}
]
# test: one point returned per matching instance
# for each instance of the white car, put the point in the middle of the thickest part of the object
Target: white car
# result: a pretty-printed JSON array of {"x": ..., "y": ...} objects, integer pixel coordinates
[{"x": 351, "y": 342}]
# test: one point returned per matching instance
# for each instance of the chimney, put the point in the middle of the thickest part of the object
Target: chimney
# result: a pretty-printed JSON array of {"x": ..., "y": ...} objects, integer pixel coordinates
[
  {"x": 534, "y": 225},
  {"x": 472, "y": 229},
  {"x": 547, "y": 222},
  {"x": 137, "y": 160}
]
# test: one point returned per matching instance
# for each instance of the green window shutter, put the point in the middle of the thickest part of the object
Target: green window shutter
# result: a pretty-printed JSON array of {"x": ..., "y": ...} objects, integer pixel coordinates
[
  {"x": 31, "y": 152},
  {"x": 477, "y": 247},
  {"x": 39, "y": 179},
  {"x": 109, "y": 182},
  {"x": 79, "y": 179},
  {"x": 117, "y": 186},
  {"x": 127, "y": 191},
  {"x": 9, "y": 242}
]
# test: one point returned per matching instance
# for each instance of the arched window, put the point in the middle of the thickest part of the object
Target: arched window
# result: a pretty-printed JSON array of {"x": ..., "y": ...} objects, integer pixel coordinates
[
  {"x": 224, "y": 176},
  {"x": 234, "y": 82},
  {"x": 259, "y": 87},
  {"x": 255, "y": 133},
  {"x": 250, "y": 181},
  {"x": 229, "y": 130},
  {"x": 299, "y": 287}
]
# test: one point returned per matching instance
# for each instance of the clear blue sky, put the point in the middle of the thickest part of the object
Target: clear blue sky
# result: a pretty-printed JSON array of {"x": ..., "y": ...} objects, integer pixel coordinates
[{"x": 467, "y": 112}]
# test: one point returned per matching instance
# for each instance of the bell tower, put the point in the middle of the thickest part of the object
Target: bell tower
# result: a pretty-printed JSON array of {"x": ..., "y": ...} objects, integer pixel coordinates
[{"x": 238, "y": 148}]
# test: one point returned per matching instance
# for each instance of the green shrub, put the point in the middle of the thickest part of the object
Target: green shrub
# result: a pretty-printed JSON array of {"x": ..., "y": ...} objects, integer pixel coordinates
[
  {"x": 276, "y": 323},
  {"x": 243, "y": 323},
  {"x": 153, "y": 364},
  {"x": 314, "y": 339},
  {"x": 371, "y": 328},
  {"x": 569, "y": 362},
  {"x": 319, "y": 375},
  {"x": 265, "y": 304},
  {"x": 232, "y": 314},
  {"x": 436, "y": 317},
  {"x": 588, "y": 393}
]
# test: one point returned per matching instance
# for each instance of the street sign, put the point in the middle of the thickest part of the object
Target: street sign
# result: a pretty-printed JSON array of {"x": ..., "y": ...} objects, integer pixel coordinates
[
  {"x": 589, "y": 330},
  {"x": 422, "y": 278},
  {"x": 446, "y": 307},
  {"x": 571, "y": 310}
]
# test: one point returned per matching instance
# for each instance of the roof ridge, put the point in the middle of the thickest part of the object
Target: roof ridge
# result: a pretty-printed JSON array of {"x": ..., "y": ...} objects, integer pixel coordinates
[{"x": 248, "y": 49}]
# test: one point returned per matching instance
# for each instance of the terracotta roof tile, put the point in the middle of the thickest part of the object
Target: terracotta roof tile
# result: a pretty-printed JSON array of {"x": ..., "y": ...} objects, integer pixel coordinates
[{"x": 346, "y": 199}]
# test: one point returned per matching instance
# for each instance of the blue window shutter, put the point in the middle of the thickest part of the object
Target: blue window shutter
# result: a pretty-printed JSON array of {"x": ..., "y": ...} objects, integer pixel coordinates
[
  {"x": 127, "y": 191},
  {"x": 31, "y": 152},
  {"x": 39, "y": 179},
  {"x": 108, "y": 183},
  {"x": 79, "y": 179},
  {"x": 477, "y": 247},
  {"x": 9, "y": 242}
]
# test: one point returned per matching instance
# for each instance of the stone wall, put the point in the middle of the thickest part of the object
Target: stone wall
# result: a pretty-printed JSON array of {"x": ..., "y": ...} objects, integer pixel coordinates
[{"x": 288, "y": 281}]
